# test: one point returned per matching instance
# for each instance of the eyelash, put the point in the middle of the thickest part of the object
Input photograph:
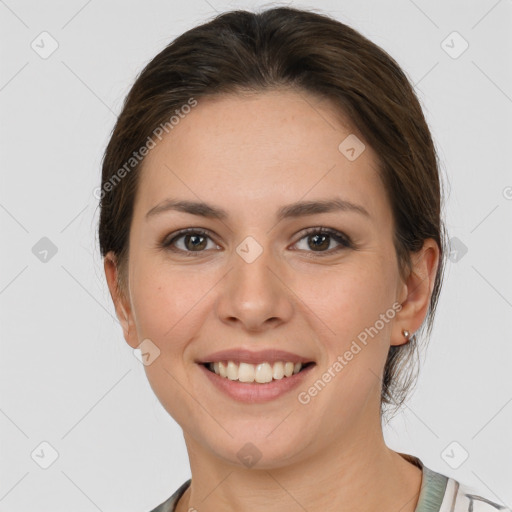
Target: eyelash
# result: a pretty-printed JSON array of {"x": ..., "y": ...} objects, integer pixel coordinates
[{"x": 341, "y": 238}]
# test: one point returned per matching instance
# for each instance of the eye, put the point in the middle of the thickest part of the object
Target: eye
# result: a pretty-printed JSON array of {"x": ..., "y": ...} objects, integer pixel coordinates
[
  {"x": 194, "y": 240},
  {"x": 321, "y": 238}
]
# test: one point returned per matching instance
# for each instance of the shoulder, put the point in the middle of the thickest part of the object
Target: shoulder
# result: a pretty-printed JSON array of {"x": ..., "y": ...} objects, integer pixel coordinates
[
  {"x": 460, "y": 497},
  {"x": 169, "y": 505},
  {"x": 441, "y": 493}
]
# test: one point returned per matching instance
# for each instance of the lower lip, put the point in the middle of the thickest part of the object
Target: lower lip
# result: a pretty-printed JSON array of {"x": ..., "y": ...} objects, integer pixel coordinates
[{"x": 253, "y": 392}]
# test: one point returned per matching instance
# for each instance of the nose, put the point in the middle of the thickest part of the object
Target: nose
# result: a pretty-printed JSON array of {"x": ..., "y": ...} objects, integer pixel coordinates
[{"x": 254, "y": 294}]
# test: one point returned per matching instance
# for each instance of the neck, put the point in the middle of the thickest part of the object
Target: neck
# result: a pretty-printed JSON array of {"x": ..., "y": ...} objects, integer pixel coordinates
[{"x": 361, "y": 474}]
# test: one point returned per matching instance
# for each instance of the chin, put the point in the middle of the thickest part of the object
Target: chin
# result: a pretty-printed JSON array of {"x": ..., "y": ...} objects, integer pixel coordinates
[{"x": 256, "y": 449}]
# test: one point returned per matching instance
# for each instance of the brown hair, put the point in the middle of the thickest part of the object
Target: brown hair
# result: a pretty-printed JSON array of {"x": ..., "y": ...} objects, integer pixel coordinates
[{"x": 283, "y": 47}]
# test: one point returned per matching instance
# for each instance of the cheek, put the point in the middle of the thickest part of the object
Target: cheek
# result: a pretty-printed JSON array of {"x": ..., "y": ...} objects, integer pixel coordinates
[
  {"x": 349, "y": 298},
  {"x": 165, "y": 299},
  {"x": 350, "y": 302},
  {"x": 167, "y": 307}
]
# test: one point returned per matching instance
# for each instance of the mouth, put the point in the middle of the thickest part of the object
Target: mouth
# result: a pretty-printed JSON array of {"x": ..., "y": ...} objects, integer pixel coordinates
[{"x": 261, "y": 373}]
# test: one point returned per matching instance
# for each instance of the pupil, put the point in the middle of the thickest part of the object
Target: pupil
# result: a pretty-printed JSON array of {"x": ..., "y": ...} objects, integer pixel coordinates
[
  {"x": 323, "y": 237},
  {"x": 194, "y": 244}
]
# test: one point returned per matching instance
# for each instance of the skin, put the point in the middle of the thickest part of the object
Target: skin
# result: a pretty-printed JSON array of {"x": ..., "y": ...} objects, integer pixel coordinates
[{"x": 250, "y": 155}]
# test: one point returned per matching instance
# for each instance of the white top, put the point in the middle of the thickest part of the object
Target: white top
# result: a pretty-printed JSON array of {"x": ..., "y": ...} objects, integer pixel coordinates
[{"x": 461, "y": 498}]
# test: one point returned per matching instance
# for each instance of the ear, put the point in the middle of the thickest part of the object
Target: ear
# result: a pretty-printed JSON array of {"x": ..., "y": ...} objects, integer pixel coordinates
[
  {"x": 416, "y": 291},
  {"x": 121, "y": 302}
]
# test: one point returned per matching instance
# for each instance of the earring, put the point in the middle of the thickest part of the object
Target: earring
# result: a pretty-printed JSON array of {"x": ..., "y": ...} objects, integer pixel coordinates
[{"x": 406, "y": 333}]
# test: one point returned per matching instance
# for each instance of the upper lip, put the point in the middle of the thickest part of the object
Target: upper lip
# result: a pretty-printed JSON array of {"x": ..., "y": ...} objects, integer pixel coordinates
[{"x": 253, "y": 357}]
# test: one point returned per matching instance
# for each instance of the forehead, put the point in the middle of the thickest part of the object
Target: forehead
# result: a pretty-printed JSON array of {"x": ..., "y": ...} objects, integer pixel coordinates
[
  {"x": 277, "y": 124},
  {"x": 260, "y": 148}
]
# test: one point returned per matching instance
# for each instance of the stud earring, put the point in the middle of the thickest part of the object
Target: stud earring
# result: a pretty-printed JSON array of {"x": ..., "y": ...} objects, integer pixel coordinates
[{"x": 406, "y": 333}]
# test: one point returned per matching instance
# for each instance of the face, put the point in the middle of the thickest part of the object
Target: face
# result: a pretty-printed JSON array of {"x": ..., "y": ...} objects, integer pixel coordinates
[{"x": 322, "y": 284}]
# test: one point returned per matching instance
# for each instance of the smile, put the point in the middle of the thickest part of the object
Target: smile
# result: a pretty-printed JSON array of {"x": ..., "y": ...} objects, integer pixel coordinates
[
  {"x": 252, "y": 391},
  {"x": 261, "y": 373}
]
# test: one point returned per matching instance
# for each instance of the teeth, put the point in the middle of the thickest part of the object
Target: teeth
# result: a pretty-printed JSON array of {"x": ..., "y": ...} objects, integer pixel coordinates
[{"x": 261, "y": 373}]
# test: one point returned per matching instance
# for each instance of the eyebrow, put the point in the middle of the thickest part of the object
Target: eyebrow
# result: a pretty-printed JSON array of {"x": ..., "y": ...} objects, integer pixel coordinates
[{"x": 293, "y": 210}]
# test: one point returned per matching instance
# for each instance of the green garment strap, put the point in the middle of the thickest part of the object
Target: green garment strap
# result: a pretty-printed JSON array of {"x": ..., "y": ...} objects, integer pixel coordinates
[
  {"x": 432, "y": 491},
  {"x": 433, "y": 486}
]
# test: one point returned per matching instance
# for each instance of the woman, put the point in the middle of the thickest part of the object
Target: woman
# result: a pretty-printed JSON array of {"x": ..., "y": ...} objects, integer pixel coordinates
[{"x": 273, "y": 244}]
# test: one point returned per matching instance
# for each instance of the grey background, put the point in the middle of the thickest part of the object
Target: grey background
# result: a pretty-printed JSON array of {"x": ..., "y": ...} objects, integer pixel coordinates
[{"x": 68, "y": 378}]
